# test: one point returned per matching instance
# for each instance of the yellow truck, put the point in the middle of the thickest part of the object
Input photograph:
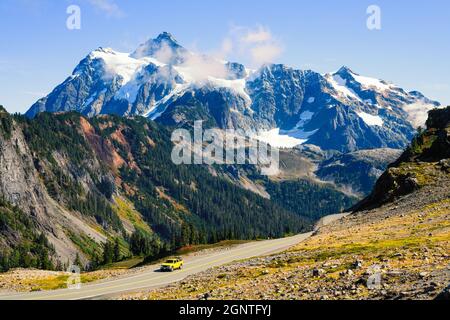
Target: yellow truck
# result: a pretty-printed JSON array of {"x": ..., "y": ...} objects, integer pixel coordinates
[{"x": 172, "y": 264}]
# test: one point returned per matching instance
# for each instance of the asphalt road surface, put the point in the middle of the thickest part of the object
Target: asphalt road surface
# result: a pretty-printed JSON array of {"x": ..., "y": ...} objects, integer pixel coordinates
[{"x": 151, "y": 278}]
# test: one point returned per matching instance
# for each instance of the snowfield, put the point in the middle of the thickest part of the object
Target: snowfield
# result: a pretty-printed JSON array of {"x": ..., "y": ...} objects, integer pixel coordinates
[
  {"x": 371, "y": 120},
  {"x": 278, "y": 140},
  {"x": 340, "y": 86},
  {"x": 119, "y": 64}
]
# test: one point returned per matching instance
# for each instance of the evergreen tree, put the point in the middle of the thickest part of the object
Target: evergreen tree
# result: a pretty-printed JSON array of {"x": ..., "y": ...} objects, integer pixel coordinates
[
  {"x": 116, "y": 250},
  {"x": 108, "y": 253},
  {"x": 78, "y": 262}
]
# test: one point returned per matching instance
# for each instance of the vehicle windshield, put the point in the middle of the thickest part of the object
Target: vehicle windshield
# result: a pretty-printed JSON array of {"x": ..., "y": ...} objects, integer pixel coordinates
[{"x": 170, "y": 261}]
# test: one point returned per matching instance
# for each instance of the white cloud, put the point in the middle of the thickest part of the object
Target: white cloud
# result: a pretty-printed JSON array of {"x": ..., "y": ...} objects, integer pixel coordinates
[
  {"x": 194, "y": 67},
  {"x": 164, "y": 54},
  {"x": 257, "y": 45},
  {"x": 260, "y": 35},
  {"x": 199, "y": 68},
  {"x": 265, "y": 53},
  {"x": 108, "y": 6},
  {"x": 418, "y": 113}
]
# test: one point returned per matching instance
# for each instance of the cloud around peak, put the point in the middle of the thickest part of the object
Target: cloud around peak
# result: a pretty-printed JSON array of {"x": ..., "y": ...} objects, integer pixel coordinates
[{"x": 257, "y": 45}]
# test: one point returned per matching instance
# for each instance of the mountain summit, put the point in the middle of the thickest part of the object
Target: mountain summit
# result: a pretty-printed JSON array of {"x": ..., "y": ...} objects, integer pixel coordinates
[
  {"x": 164, "y": 47},
  {"x": 164, "y": 81}
]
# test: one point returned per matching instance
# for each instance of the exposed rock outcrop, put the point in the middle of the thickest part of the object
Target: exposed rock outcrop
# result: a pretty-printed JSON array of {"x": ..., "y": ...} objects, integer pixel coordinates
[{"x": 425, "y": 162}]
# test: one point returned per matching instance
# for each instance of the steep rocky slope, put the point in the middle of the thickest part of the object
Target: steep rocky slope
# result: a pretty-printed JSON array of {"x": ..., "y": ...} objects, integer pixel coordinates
[
  {"x": 17, "y": 230},
  {"x": 399, "y": 249},
  {"x": 21, "y": 186},
  {"x": 426, "y": 161}
]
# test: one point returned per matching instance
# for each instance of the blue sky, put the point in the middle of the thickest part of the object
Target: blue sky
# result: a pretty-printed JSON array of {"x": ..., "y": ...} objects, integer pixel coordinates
[{"x": 37, "y": 51}]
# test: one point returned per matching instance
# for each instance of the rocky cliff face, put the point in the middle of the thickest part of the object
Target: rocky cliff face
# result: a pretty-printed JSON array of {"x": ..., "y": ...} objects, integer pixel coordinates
[
  {"x": 21, "y": 185},
  {"x": 425, "y": 162}
]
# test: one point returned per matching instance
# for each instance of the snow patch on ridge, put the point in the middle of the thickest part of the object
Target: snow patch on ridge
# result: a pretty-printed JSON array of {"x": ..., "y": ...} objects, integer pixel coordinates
[
  {"x": 237, "y": 86},
  {"x": 340, "y": 85},
  {"x": 300, "y": 134},
  {"x": 278, "y": 140},
  {"x": 367, "y": 82},
  {"x": 118, "y": 63},
  {"x": 153, "y": 113},
  {"x": 304, "y": 118},
  {"x": 125, "y": 66},
  {"x": 370, "y": 120}
]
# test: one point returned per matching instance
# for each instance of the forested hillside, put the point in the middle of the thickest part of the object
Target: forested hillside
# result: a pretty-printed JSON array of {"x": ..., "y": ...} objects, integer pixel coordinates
[
  {"x": 313, "y": 200},
  {"x": 28, "y": 247}
]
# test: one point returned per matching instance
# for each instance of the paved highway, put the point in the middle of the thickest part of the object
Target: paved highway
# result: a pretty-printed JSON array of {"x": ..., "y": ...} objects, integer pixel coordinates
[{"x": 150, "y": 278}]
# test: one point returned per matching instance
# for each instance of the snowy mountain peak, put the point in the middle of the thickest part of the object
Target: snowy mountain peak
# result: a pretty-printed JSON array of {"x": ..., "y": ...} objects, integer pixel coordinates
[
  {"x": 164, "y": 48},
  {"x": 102, "y": 50},
  {"x": 166, "y": 82},
  {"x": 364, "y": 83},
  {"x": 344, "y": 70},
  {"x": 166, "y": 36}
]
